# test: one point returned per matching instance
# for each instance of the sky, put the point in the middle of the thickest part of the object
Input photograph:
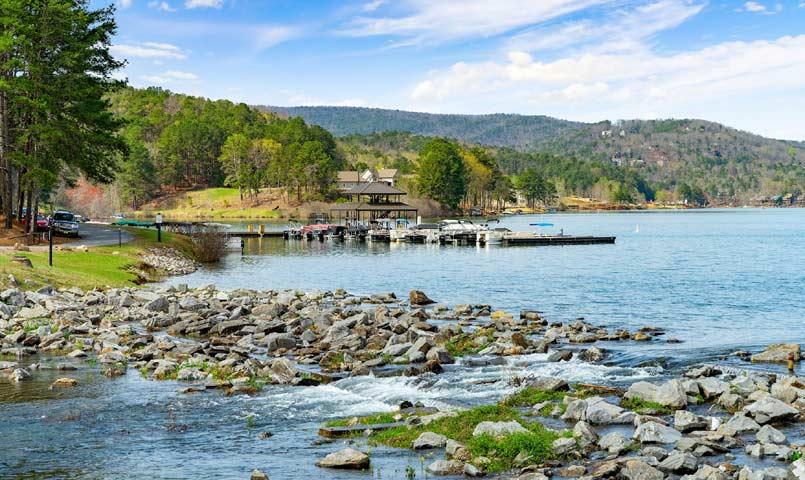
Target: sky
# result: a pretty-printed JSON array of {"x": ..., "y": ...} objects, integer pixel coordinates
[{"x": 741, "y": 63}]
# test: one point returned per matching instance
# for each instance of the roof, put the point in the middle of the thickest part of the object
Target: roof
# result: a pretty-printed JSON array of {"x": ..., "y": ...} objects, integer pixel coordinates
[
  {"x": 373, "y": 207},
  {"x": 349, "y": 176},
  {"x": 387, "y": 173},
  {"x": 374, "y": 188}
]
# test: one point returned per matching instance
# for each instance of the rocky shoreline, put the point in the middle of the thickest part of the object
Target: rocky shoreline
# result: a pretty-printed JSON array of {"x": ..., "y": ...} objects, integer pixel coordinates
[{"x": 697, "y": 426}]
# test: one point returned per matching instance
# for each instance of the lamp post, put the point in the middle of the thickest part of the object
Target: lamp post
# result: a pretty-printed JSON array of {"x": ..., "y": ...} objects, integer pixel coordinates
[
  {"x": 159, "y": 227},
  {"x": 50, "y": 243}
]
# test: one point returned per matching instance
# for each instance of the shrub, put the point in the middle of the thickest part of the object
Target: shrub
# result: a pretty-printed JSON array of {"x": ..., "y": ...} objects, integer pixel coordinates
[{"x": 209, "y": 243}]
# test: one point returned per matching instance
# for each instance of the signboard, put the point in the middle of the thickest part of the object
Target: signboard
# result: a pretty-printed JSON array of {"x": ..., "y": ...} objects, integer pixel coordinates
[{"x": 159, "y": 219}]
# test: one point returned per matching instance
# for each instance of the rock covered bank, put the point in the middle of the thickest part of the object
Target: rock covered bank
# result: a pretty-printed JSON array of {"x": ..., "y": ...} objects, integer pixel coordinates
[{"x": 707, "y": 424}]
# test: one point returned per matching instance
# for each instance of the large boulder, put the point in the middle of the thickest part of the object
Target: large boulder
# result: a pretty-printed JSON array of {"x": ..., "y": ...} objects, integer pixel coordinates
[
  {"x": 778, "y": 353},
  {"x": 275, "y": 341},
  {"x": 771, "y": 410},
  {"x": 679, "y": 463},
  {"x": 769, "y": 434},
  {"x": 446, "y": 467},
  {"x": 640, "y": 470},
  {"x": 348, "y": 458},
  {"x": 671, "y": 394},
  {"x": 685, "y": 421},
  {"x": 428, "y": 440},
  {"x": 739, "y": 424},
  {"x": 549, "y": 384},
  {"x": 601, "y": 412},
  {"x": 498, "y": 429},
  {"x": 418, "y": 297},
  {"x": 653, "y": 432}
]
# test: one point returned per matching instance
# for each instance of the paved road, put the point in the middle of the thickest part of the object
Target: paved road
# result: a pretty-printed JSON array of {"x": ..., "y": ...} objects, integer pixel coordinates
[{"x": 96, "y": 235}]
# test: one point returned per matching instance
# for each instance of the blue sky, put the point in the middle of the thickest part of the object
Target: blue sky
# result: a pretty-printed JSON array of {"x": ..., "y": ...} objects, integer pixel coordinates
[{"x": 740, "y": 63}]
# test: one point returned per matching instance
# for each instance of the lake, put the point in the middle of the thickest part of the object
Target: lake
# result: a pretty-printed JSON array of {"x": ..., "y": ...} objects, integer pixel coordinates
[{"x": 717, "y": 280}]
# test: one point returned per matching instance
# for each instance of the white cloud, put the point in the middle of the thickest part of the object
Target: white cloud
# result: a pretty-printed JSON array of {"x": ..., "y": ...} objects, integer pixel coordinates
[
  {"x": 204, "y": 3},
  {"x": 163, "y": 6},
  {"x": 372, "y": 6},
  {"x": 434, "y": 21},
  {"x": 124, "y": 3},
  {"x": 622, "y": 29},
  {"x": 268, "y": 36},
  {"x": 629, "y": 80},
  {"x": 754, "y": 7},
  {"x": 171, "y": 76},
  {"x": 151, "y": 50}
]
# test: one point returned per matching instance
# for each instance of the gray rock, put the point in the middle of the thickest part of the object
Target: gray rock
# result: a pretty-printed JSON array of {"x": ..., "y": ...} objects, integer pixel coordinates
[
  {"x": 159, "y": 304},
  {"x": 771, "y": 410},
  {"x": 283, "y": 371},
  {"x": 471, "y": 470},
  {"x": 549, "y": 384},
  {"x": 706, "y": 472},
  {"x": 446, "y": 467},
  {"x": 679, "y": 463},
  {"x": 670, "y": 394},
  {"x": 713, "y": 387},
  {"x": 428, "y": 440},
  {"x": 639, "y": 470},
  {"x": 348, "y": 458},
  {"x": 685, "y": 421},
  {"x": 560, "y": 356},
  {"x": 739, "y": 424},
  {"x": 275, "y": 341},
  {"x": 585, "y": 435},
  {"x": 771, "y": 473},
  {"x": 190, "y": 374},
  {"x": 498, "y": 429},
  {"x": 601, "y": 412},
  {"x": 653, "y": 432},
  {"x": 592, "y": 354},
  {"x": 778, "y": 353},
  {"x": 614, "y": 443},
  {"x": 564, "y": 446},
  {"x": 769, "y": 434},
  {"x": 440, "y": 355}
]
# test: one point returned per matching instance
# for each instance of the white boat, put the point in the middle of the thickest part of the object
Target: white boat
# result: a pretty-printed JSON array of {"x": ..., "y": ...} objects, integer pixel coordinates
[
  {"x": 423, "y": 233},
  {"x": 492, "y": 236}
]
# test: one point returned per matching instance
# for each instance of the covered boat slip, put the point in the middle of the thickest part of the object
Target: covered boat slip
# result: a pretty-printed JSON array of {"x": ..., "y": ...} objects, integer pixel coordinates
[{"x": 372, "y": 202}]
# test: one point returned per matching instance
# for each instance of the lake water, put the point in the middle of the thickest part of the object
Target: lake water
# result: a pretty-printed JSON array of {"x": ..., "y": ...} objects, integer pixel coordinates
[{"x": 716, "y": 280}]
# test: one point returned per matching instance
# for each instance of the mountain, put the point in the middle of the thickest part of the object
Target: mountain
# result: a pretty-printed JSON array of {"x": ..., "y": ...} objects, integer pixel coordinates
[
  {"x": 503, "y": 130},
  {"x": 725, "y": 162}
]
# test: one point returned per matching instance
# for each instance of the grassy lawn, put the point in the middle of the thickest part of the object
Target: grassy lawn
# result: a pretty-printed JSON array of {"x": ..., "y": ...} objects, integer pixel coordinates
[
  {"x": 99, "y": 267},
  {"x": 214, "y": 203}
]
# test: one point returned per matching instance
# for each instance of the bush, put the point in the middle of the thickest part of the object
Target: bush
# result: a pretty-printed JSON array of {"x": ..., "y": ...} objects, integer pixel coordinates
[{"x": 209, "y": 243}]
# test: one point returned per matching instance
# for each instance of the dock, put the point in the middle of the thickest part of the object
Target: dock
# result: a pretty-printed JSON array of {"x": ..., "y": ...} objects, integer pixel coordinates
[{"x": 556, "y": 240}]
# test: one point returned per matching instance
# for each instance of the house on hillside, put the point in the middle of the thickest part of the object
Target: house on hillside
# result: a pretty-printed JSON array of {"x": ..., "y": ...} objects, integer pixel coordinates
[
  {"x": 350, "y": 179},
  {"x": 347, "y": 180},
  {"x": 388, "y": 175}
]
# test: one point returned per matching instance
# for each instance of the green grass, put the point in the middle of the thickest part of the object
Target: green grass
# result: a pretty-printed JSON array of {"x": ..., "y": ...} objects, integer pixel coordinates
[
  {"x": 100, "y": 267},
  {"x": 530, "y": 396},
  {"x": 642, "y": 406},
  {"x": 367, "y": 420},
  {"x": 464, "y": 343},
  {"x": 501, "y": 451},
  {"x": 794, "y": 456},
  {"x": 213, "y": 203}
]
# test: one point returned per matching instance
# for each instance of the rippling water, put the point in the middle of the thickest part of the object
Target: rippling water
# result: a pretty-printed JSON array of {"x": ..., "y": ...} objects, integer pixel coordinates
[
  {"x": 717, "y": 280},
  {"x": 713, "y": 278}
]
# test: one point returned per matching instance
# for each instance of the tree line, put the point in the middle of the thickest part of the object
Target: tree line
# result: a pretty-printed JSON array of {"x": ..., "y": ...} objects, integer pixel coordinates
[
  {"x": 55, "y": 124},
  {"x": 178, "y": 141}
]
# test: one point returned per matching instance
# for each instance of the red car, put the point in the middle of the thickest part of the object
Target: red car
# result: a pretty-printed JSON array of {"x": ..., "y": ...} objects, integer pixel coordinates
[{"x": 41, "y": 222}]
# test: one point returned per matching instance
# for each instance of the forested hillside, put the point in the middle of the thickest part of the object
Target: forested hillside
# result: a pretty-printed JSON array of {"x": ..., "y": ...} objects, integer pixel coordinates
[
  {"x": 177, "y": 141},
  {"x": 516, "y": 131},
  {"x": 726, "y": 163}
]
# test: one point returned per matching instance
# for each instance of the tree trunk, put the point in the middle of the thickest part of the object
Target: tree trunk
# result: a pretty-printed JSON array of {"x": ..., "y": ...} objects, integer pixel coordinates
[
  {"x": 35, "y": 212},
  {"x": 29, "y": 211},
  {"x": 7, "y": 184}
]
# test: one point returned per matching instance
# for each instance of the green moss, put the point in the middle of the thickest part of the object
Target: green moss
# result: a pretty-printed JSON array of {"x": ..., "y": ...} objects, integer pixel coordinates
[
  {"x": 794, "y": 456},
  {"x": 367, "y": 420},
  {"x": 502, "y": 451},
  {"x": 464, "y": 343},
  {"x": 642, "y": 406}
]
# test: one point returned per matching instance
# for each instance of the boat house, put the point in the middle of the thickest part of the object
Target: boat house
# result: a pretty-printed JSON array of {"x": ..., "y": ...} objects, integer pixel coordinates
[{"x": 369, "y": 202}]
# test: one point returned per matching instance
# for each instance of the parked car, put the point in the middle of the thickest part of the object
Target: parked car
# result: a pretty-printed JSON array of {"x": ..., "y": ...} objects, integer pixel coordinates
[
  {"x": 64, "y": 223},
  {"x": 41, "y": 222}
]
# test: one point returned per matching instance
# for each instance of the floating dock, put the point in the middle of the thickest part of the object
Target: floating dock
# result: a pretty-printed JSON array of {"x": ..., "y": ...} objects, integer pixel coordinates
[{"x": 556, "y": 240}]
